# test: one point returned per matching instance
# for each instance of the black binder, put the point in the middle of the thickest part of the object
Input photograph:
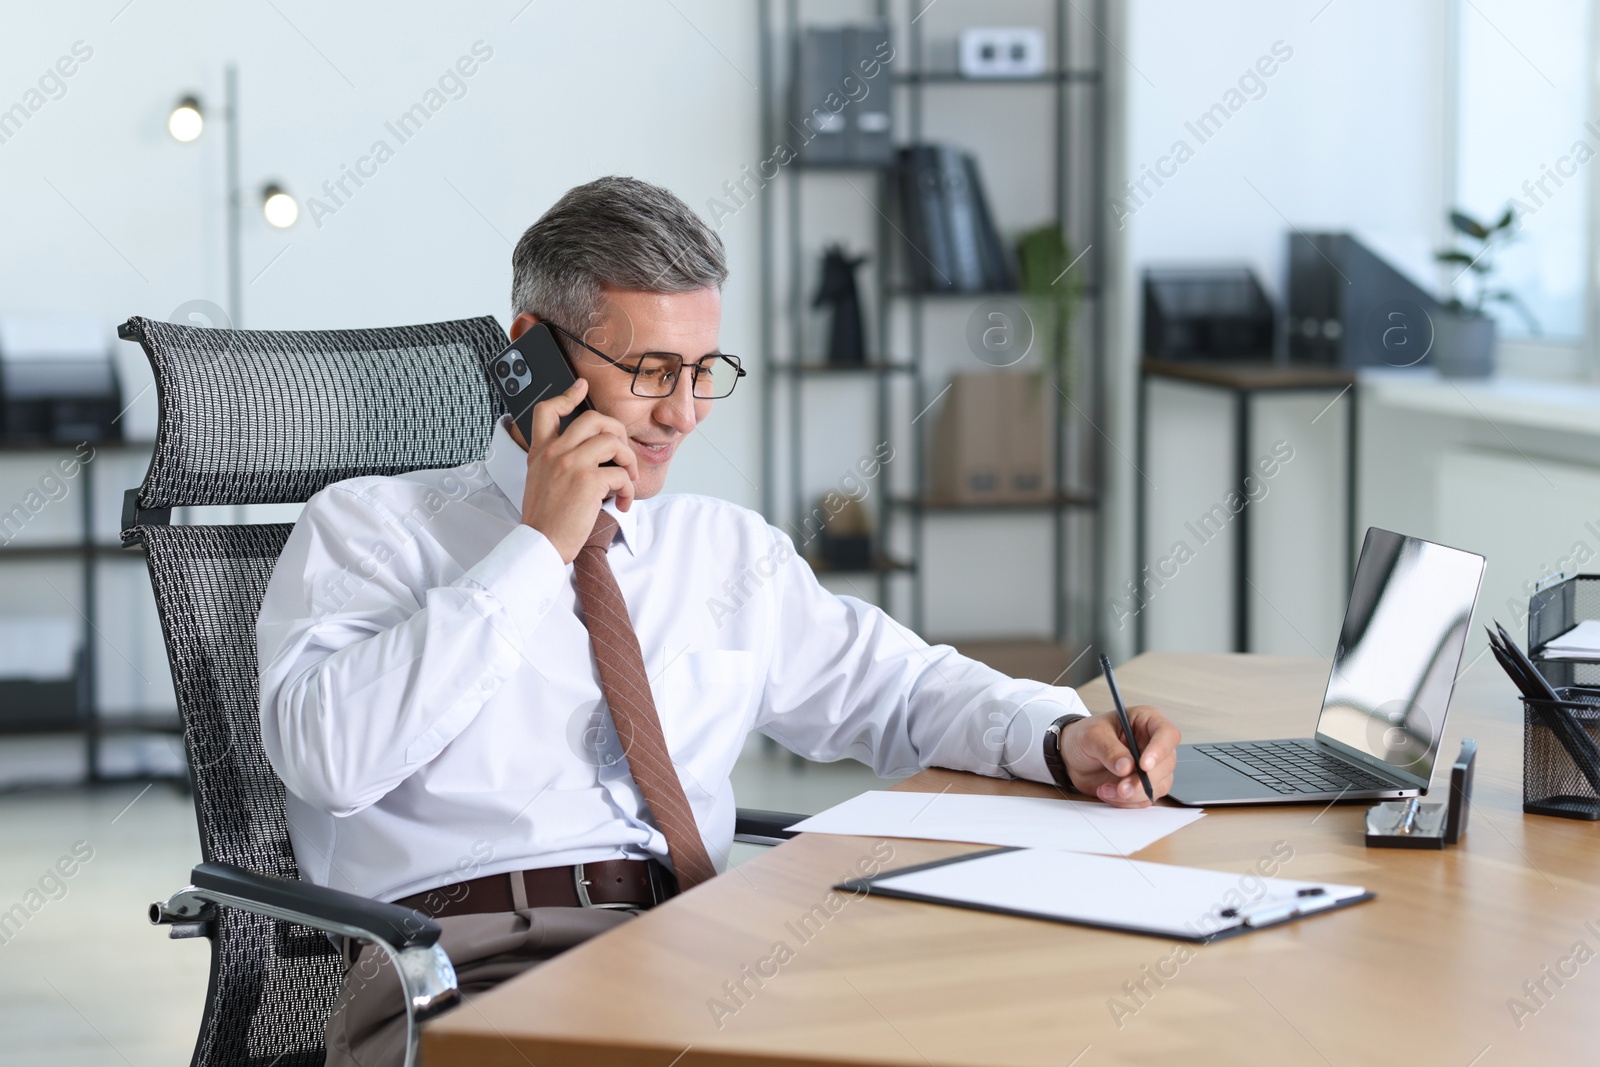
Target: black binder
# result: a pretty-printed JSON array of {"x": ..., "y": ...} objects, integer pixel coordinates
[
  {"x": 954, "y": 246},
  {"x": 928, "y": 259}
]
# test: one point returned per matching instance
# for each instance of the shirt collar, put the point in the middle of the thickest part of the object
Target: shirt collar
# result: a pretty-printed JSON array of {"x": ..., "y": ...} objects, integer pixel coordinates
[{"x": 507, "y": 464}]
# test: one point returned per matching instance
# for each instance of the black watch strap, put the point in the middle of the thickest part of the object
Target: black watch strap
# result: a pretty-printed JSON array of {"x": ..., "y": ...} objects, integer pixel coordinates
[{"x": 1052, "y": 752}]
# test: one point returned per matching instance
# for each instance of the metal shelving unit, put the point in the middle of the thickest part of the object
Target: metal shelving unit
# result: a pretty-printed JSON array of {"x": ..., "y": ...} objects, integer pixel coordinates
[
  {"x": 89, "y": 721},
  {"x": 1079, "y": 466}
]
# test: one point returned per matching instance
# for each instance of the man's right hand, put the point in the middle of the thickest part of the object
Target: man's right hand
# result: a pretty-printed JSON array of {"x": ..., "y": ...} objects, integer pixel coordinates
[{"x": 566, "y": 483}]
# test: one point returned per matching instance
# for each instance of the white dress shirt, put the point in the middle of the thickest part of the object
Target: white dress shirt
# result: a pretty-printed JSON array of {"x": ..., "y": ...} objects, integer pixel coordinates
[{"x": 430, "y": 699}]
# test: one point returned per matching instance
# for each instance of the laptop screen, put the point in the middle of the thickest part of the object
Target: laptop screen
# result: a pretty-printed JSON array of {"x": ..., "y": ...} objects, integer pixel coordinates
[{"x": 1399, "y": 649}]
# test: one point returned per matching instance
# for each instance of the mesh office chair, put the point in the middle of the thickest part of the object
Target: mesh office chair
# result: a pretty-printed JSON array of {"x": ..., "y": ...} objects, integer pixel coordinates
[{"x": 262, "y": 417}]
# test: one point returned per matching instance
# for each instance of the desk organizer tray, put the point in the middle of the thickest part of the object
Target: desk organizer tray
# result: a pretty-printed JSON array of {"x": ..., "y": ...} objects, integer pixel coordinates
[{"x": 1554, "y": 610}]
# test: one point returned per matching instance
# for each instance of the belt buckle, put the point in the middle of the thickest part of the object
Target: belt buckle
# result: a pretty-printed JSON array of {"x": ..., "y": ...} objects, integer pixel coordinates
[{"x": 581, "y": 884}]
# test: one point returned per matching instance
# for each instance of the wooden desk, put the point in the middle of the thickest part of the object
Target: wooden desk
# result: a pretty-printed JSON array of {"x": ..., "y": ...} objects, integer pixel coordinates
[{"x": 1425, "y": 974}]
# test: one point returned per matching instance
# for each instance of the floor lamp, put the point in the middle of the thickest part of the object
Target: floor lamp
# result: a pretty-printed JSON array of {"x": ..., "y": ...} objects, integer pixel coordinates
[{"x": 185, "y": 123}]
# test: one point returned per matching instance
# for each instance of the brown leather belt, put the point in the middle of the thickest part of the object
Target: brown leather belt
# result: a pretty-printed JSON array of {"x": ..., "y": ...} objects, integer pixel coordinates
[{"x": 606, "y": 884}]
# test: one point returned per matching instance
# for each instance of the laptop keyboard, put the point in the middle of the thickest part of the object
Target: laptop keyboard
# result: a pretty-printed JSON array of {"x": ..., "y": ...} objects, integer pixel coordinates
[{"x": 1292, "y": 766}]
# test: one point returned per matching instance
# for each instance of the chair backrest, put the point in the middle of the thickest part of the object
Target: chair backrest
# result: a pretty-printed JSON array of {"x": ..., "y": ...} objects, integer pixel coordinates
[{"x": 271, "y": 417}]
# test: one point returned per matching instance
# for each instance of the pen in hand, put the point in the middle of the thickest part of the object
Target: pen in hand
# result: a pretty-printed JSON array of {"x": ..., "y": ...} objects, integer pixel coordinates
[{"x": 1127, "y": 726}]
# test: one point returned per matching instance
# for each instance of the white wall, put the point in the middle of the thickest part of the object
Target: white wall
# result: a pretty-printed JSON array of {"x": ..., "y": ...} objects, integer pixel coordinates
[
  {"x": 103, "y": 213},
  {"x": 1544, "y": 521},
  {"x": 1346, "y": 133},
  {"x": 1510, "y": 471}
]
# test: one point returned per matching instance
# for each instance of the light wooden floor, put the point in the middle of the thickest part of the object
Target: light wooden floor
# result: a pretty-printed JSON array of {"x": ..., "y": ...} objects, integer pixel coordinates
[{"x": 86, "y": 980}]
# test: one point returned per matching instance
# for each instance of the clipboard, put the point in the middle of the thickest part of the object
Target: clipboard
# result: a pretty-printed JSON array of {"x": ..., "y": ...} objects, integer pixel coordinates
[{"x": 1111, "y": 893}]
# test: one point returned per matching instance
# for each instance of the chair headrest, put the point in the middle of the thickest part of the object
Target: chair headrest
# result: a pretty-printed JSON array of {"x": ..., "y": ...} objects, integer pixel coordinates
[{"x": 273, "y": 416}]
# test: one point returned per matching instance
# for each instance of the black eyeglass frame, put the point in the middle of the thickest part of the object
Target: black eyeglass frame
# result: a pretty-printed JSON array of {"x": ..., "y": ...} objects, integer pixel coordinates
[{"x": 633, "y": 386}]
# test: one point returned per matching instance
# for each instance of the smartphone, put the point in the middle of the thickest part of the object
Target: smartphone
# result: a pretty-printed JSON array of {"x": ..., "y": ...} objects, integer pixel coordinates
[{"x": 531, "y": 370}]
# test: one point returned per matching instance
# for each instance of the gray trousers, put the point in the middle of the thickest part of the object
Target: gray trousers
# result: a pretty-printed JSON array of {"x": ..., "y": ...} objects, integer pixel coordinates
[{"x": 368, "y": 1024}]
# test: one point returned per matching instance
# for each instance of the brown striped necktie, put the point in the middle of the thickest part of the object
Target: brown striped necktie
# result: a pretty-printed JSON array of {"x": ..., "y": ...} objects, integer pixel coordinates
[{"x": 633, "y": 709}]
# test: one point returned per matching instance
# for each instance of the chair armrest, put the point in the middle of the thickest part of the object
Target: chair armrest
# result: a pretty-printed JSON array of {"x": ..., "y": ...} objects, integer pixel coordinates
[
  {"x": 316, "y": 906},
  {"x": 756, "y": 827},
  {"x": 407, "y": 936}
]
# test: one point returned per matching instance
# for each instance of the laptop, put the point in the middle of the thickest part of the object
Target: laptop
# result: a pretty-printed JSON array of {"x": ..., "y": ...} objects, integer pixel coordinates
[{"x": 1383, "y": 712}]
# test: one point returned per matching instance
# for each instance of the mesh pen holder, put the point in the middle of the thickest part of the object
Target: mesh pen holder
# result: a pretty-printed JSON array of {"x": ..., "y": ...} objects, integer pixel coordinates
[{"x": 1552, "y": 784}]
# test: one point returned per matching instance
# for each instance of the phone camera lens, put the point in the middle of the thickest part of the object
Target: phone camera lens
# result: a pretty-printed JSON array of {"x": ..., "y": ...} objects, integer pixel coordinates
[
  {"x": 519, "y": 368},
  {"x": 503, "y": 369},
  {"x": 511, "y": 386}
]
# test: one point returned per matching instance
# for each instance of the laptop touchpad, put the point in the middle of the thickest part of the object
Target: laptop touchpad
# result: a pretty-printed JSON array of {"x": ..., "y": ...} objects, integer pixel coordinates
[{"x": 1198, "y": 780}]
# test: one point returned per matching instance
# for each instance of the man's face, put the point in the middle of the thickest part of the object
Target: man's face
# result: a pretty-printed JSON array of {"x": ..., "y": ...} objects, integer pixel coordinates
[{"x": 630, "y": 324}]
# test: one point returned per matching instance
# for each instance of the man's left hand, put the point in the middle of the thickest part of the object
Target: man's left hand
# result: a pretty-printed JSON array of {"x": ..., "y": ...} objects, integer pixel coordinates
[{"x": 1101, "y": 765}]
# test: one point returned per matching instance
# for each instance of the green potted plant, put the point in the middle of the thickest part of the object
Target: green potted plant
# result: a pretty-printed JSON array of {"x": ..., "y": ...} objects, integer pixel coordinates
[
  {"x": 1052, "y": 295},
  {"x": 1464, "y": 335}
]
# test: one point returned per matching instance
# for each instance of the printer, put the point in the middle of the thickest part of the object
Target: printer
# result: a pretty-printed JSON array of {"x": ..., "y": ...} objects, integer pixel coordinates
[{"x": 58, "y": 384}]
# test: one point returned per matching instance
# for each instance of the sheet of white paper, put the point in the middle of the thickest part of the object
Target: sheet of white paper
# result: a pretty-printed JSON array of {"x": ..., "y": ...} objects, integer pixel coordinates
[
  {"x": 1579, "y": 654},
  {"x": 1582, "y": 638},
  {"x": 1027, "y": 822},
  {"x": 1153, "y": 898}
]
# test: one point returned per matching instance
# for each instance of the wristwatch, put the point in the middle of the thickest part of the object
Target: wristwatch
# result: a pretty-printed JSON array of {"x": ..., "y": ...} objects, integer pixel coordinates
[{"x": 1052, "y": 752}]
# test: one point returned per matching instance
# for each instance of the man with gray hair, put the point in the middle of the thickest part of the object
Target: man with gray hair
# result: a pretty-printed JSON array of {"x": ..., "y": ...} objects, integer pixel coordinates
[{"x": 524, "y": 719}]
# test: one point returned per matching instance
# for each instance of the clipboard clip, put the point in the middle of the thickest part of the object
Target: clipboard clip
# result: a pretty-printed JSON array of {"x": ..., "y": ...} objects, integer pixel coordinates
[{"x": 1266, "y": 912}]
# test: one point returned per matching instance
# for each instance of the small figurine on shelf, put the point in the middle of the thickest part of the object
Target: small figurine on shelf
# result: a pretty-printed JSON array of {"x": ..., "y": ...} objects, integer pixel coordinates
[
  {"x": 846, "y": 542},
  {"x": 846, "y": 346}
]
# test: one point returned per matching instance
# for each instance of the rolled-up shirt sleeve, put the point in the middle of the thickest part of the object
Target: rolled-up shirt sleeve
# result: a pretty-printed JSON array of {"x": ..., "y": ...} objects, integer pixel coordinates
[
  {"x": 847, "y": 680},
  {"x": 370, "y": 664}
]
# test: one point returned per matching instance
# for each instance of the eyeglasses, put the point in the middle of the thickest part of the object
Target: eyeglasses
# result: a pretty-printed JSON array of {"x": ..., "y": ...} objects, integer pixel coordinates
[{"x": 656, "y": 373}]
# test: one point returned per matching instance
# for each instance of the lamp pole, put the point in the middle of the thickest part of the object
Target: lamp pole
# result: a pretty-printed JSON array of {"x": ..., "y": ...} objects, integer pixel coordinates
[
  {"x": 186, "y": 123},
  {"x": 230, "y": 121}
]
